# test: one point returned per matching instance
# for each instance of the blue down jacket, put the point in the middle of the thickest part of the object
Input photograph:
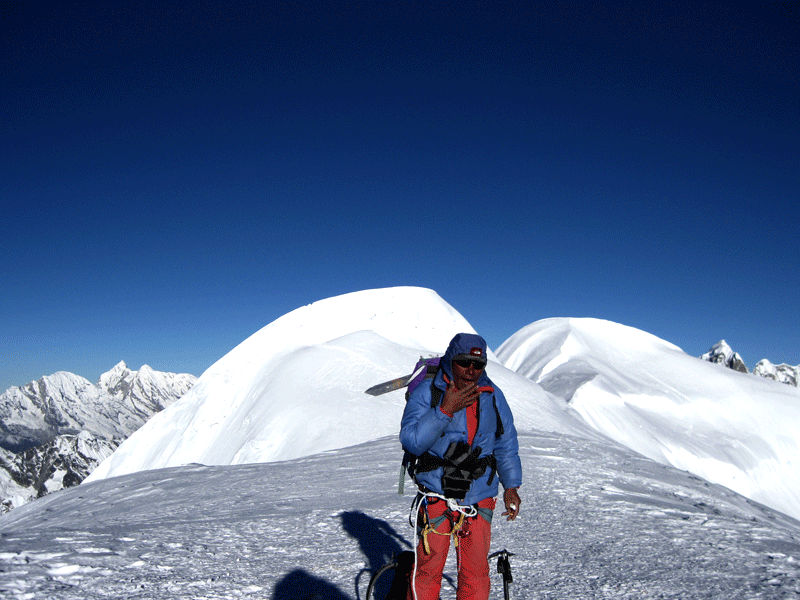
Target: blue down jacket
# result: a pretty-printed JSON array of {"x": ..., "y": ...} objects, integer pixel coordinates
[{"x": 425, "y": 429}]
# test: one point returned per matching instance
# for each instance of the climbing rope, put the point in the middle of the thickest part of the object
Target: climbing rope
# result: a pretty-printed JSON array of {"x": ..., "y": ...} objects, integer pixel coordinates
[{"x": 420, "y": 501}]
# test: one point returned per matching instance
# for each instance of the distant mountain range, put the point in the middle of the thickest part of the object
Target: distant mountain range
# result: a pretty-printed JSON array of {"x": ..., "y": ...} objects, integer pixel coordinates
[
  {"x": 56, "y": 430},
  {"x": 723, "y": 354}
]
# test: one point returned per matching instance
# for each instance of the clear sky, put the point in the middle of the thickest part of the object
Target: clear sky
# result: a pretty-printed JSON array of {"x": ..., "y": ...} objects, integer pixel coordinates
[{"x": 176, "y": 175}]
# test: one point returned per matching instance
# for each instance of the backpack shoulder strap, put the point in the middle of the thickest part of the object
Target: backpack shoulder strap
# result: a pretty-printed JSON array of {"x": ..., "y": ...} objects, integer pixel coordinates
[
  {"x": 436, "y": 395},
  {"x": 500, "y": 429}
]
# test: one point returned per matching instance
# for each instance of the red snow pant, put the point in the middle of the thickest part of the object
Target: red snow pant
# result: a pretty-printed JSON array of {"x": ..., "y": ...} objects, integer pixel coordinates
[{"x": 472, "y": 553}]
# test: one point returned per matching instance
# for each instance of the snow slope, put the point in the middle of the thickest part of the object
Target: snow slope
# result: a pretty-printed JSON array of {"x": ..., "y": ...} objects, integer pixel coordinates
[
  {"x": 727, "y": 427},
  {"x": 296, "y": 387},
  {"x": 597, "y": 521}
]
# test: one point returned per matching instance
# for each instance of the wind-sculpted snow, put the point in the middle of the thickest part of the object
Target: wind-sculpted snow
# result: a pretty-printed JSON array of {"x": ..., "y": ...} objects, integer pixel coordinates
[
  {"x": 725, "y": 426},
  {"x": 296, "y": 387},
  {"x": 597, "y": 521}
]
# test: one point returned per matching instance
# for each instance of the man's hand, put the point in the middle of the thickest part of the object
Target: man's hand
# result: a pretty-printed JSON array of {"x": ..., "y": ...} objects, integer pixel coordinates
[
  {"x": 512, "y": 502},
  {"x": 454, "y": 399}
]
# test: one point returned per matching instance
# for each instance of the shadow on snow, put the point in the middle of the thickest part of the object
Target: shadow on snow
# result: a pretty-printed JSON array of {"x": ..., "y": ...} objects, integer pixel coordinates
[{"x": 379, "y": 543}]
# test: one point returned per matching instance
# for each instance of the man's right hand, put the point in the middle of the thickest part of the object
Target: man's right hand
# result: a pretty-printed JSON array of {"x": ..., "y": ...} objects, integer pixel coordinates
[{"x": 455, "y": 400}]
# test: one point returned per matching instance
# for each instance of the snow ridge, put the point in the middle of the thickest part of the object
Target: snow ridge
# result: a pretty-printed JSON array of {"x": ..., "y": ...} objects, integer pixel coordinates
[
  {"x": 725, "y": 426},
  {"x": 296, "y": 387}
]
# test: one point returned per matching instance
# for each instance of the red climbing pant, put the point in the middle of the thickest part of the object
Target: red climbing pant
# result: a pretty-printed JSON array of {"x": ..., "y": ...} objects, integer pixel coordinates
[{"x": 472, "y": 549}]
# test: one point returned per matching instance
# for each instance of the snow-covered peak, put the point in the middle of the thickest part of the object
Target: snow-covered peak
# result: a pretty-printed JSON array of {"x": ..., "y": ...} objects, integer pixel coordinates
[
  {"x": 783, "y": 372},
  {"x": 65, "y": 403},
  {"x": 113, "y": 380},
  {"x": 649, "y": 395},
  {"x": 721, "y": 353},
  {"x": 296, "y": 387},
  {"x": 60, "y": 403},
  {"x": 407, "y": 316}
]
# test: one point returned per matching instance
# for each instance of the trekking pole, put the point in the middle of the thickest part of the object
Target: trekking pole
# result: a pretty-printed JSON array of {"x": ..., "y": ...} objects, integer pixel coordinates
[{"x": 504, "y": 568}]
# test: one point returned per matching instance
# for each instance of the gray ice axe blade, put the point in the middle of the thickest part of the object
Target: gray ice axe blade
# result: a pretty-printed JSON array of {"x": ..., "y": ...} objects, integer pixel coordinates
[
  {"x": 389, "y": 386},
  {"x": 394, "y": 384}
]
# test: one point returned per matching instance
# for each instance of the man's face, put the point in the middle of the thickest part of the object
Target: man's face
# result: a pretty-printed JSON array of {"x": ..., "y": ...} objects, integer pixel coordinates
[{"x": 466, "y": 372}]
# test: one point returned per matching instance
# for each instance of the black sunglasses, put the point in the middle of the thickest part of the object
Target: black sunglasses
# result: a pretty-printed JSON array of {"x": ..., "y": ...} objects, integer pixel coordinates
[{"x": 464, "y": 363}]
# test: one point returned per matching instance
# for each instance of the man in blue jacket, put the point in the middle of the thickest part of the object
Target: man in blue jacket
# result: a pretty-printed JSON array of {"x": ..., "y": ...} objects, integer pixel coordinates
[{"x": 462, "y": 433}]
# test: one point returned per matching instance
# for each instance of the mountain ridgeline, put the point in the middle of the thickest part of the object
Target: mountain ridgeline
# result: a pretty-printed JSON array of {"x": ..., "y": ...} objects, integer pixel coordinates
[{"x": 56, "y": 430}]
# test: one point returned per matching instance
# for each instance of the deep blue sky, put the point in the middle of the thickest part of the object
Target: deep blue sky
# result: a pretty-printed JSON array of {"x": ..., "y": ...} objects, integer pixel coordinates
[{"x": 175, "y": 176}]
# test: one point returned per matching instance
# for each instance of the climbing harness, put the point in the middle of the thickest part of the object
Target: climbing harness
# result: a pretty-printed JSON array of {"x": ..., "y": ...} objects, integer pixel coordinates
[
  {"x": 455, "y": 513},
  {"x": 461, "y": 464}
]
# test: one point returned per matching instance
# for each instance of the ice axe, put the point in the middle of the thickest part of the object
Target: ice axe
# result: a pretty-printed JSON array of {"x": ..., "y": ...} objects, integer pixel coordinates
[
  {"x": 389, "y": 386},
  {"x": 396, "y": 384},
  {"x": 504, "y": 568}
]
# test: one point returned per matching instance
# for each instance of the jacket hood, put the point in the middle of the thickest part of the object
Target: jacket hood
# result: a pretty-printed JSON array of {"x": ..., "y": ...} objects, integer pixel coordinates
[{"x": 468, "y": 344}]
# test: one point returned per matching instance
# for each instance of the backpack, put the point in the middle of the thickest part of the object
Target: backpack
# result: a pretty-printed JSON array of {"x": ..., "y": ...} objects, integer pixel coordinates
[{"x": 425, "y": 370}]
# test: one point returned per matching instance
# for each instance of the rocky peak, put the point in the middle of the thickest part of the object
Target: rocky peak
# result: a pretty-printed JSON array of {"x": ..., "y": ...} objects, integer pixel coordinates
[
  {"x": 722, "y": 353},
  {"x": 783, "y": 372},
  {"x": 117, "y": 380},
  {"x": 62, "y": 462}
]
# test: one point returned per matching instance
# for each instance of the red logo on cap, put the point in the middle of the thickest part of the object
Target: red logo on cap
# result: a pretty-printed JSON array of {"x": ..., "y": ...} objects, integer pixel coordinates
[{"x": 476, "y": 352}]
